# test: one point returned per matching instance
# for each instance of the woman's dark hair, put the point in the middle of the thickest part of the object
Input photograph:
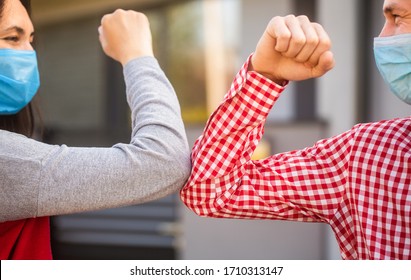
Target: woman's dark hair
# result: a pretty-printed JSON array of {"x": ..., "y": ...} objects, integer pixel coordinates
[{"x": 24, "y": 121}]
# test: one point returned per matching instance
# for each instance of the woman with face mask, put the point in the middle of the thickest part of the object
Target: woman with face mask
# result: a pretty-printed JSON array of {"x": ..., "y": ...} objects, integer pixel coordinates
[{"x": 39, "y": 180}]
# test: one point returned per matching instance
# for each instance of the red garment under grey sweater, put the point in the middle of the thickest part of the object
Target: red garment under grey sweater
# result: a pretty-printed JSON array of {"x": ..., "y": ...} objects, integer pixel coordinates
[{"x": 27, "y": 239}]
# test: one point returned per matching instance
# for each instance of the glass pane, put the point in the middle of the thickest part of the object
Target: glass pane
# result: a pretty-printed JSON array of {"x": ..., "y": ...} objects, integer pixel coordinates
[{"x": 177, "y": 39}]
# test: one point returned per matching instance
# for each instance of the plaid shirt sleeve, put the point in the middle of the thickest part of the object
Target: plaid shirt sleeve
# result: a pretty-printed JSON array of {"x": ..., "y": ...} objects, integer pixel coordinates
[{"x": 305, "y": 185}]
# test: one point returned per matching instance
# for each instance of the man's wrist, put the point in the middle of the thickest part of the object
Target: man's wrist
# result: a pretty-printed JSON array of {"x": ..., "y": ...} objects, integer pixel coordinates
[{"x": 280, "y": 82}]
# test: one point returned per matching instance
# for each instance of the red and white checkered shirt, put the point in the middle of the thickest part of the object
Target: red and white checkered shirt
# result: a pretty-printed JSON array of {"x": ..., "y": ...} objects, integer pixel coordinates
[{"x": 358, "y": 182}]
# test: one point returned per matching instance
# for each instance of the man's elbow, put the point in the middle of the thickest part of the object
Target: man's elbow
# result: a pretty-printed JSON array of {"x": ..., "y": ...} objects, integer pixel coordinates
[{"x": 191, "y": 197}]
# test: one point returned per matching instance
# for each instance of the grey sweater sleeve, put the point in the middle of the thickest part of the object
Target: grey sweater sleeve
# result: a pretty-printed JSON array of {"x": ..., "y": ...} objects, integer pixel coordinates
[{"x": 37, "y": 179}]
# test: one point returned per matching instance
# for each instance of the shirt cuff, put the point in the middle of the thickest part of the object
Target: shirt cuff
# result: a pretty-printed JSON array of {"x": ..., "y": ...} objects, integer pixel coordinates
[
  {"x": 262, "y": 77},
  {"x": 254, "y": 78}
]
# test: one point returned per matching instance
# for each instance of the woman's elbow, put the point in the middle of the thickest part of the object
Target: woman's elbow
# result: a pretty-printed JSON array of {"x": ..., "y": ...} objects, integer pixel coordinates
[
  {"x": 178, "y": 166},
  {"x": 183, "y": 170}
]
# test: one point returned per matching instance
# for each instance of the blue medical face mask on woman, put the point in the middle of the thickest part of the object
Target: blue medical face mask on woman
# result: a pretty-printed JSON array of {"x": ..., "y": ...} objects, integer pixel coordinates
[
  {"x": 19, "y": 79},
  {"x": 393, "y": 58}
]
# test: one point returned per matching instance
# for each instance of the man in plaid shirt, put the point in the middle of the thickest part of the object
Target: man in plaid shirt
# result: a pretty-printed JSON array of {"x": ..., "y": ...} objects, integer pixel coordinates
[{"x": 358, "y": 182}]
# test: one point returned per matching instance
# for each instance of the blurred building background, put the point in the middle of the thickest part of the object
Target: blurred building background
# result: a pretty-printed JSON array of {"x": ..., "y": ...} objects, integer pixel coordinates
[{"x": 200, "y": 45}]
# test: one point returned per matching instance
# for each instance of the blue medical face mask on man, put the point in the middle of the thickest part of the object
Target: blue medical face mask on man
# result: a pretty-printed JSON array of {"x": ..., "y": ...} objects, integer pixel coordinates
[
  {"x": 393, "y": 58},
  {"x": 19, "y": 79}
]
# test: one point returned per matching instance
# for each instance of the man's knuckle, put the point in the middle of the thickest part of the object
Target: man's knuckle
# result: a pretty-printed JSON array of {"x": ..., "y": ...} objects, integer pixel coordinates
[
  {"x": 290, "y": 17},
  {"x": 285, "y": 35},
  {"x": 312, "y": 40},
  {"x": 299, "y": 40},
  {"x": 326, "y": 43},
  {"x": 303, "y": 18}
]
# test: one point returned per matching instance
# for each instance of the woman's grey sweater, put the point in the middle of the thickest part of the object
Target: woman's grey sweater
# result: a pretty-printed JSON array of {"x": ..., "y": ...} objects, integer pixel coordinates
[{"x": 38, "y": 179}]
